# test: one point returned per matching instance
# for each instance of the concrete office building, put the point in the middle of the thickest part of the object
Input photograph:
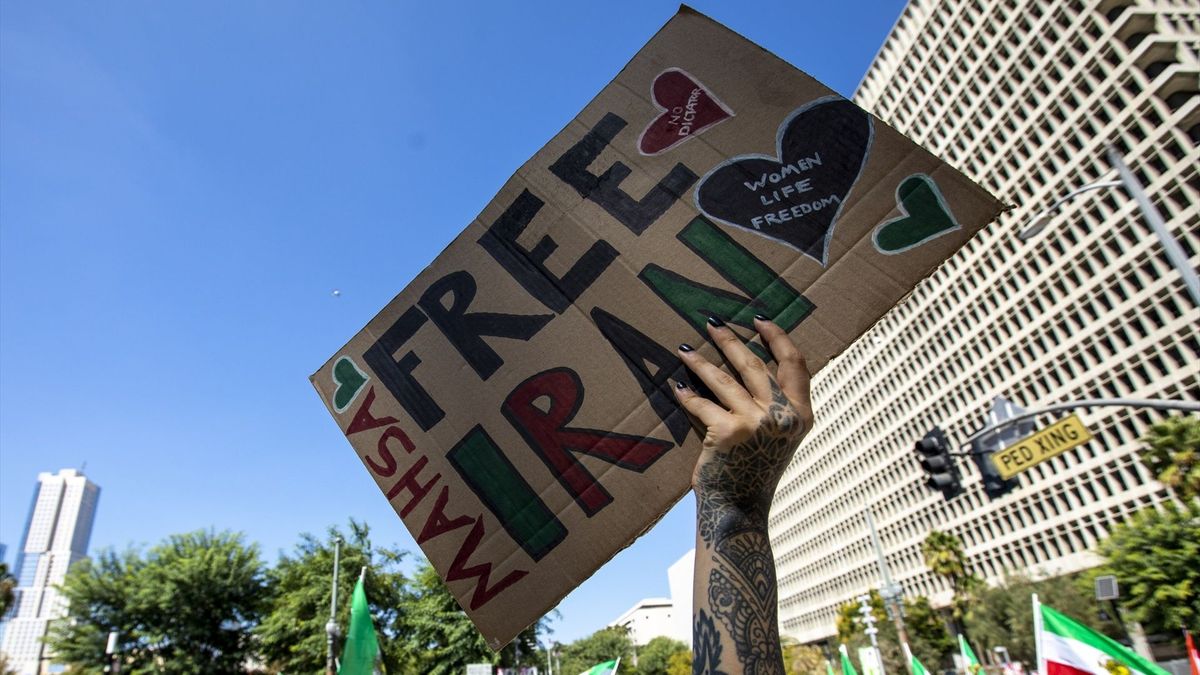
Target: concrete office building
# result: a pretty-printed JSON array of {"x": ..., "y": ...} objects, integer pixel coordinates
[
  {"x": 56, "y": 535},
  {"x": 1023, "y": 96},
  {"x": 648, "y": 619}
]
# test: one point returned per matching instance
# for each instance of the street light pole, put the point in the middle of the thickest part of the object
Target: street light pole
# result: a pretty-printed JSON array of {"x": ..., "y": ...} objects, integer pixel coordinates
[
  {"x": 1160, "y": 404},
  {"x": 864, "y": 609},
  {"x": 1042, "y": 218},
  {"x": 331, "y": 629},
  {"x": 113, "y": 650},
  {"x": 891, "y": 591},
  {"x": 1174, "y": 252},
  {"x": 1133, "y": 187}
]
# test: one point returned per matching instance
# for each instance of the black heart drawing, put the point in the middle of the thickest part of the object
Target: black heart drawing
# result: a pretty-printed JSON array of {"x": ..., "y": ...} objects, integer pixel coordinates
[{"x": 796, "y": 196}]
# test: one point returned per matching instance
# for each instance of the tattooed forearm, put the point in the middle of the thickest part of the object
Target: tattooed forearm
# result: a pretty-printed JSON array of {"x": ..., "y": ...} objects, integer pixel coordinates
[
  {"x": 742, "y": 594},
  {"x": 734, "y": 490},
  {"x": 706, "y": 646},
  {"x": 734, "y": 493},
  {"x": 750, "y": 433}
]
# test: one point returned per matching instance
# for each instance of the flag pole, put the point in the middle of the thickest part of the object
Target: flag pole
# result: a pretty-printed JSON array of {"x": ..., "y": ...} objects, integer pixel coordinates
[
  {"x": 1037, "y": 635},
  {"x": 616, "y": 665}
]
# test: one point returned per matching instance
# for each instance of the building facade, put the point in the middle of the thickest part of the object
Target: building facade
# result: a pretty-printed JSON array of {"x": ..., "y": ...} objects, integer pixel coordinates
[
  {"x": 648, "y": 619},
  {"x": 56, "y": 535},
  {"x": 1023, "y": 96}
]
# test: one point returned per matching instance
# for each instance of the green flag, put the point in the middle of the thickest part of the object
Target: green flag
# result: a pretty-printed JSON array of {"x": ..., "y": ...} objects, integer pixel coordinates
[
  {"x": 828, "y": 667},
  {"x": 606, "y": 668},
  {"x": 847, "y": 667},
  {"x": 968, "y": 656},
  {"x": 917, "y": 668},
  {"x": 361, "y": 648}
]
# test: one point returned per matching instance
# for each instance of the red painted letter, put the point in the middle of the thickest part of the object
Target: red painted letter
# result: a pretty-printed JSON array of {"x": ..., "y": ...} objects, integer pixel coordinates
[{"x": 553, "y": 441}]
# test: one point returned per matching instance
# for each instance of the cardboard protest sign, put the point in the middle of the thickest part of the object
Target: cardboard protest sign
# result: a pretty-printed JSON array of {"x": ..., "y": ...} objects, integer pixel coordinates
[{"x": 514, "y": 403}]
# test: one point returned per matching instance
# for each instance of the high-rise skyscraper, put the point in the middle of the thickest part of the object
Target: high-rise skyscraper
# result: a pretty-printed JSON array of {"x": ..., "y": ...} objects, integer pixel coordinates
[
  {"x": 1023, "y": 96},
  {"x": 56, "y": 535}
]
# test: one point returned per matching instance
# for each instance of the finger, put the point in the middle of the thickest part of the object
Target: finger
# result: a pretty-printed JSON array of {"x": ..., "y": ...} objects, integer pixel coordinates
[
  {"x": 749, "y": 367},
  {"x": 793, "y": 376},
  {"x": 708, "y": 413},
  {"x": 728, "y": 390}
]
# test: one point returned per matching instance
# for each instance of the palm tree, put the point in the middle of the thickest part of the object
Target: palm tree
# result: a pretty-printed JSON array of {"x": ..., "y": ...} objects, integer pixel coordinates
[
  {"x": 1172, "y": 452},
  {"x": 944, "y": 556}
]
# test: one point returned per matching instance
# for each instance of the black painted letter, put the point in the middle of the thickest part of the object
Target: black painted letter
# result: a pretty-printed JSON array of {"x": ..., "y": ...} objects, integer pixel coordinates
[
  {"x": 605, "y": 189},
  {"x": 465, "y": 331},
  {"x": 529, "y": 267},
  {"x": 397, "y": 375}
]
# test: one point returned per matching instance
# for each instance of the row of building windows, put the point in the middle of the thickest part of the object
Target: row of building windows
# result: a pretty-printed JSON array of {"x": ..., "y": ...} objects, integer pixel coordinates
[{"x": 1024, "y": 97}]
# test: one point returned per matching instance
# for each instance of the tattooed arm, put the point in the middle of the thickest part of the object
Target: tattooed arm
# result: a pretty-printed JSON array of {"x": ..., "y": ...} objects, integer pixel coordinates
[{"x": 749, "y": 440}]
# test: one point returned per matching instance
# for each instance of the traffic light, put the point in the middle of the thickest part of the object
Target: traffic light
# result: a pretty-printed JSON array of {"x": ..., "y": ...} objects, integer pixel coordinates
[
  {"x": 994, "y": 484},
  {"x": 936, "y": 460},
  {"x": 985, "y": 446}
]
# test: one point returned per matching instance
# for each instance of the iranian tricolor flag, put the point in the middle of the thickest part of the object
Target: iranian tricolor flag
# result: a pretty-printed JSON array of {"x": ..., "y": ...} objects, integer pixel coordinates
[{"x": 1067, "y": 647}]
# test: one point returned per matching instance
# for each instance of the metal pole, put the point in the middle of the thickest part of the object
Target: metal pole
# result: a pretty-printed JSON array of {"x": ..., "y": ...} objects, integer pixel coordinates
[
  {"x": 1159, "y": 404},
  {"x": 1174, "y": 251},
  {"x": 871, "y": 630},
  {"x": 331, "y": 629},
  {"x": 1042, "y": 218},
  {"x": 113, "y": 649},
  {"x": 891, "y": 591}
]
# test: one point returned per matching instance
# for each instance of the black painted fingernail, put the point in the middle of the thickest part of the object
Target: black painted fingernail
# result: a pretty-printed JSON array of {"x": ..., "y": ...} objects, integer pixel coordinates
[
  {"x": 685, "y": 347},
  {"x": 760, "y": 317},
  {"x": 681, "y": 385},
  {"x": 714, "y": 321}
]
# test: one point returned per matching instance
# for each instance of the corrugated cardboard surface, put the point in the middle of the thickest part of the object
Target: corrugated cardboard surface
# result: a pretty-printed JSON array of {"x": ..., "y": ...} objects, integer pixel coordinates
[{"x": 851, "y": 288}]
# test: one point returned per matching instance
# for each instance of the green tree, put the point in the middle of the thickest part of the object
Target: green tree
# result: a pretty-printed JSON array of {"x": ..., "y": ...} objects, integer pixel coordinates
[
  {"x": 801, "y": 659},
  {"x": 931, "y": 643},
  {"x": 437, "y": 631},
  {"x": 1172, "y": 452},
  {"x": 101, "y": 589},
  {"x": 680, "y": 663},
  {"x": 603, "y": 645},
  {"x": 525, "y": 649},
  {"x": 1154, "y": 557},
  {"x": 851, "y": 627},
  {"x": 292, "y": 635},
  {"x": 655, "y": 657},
  {"x": 1003, "y": 615},
  {"x": 188, "y": 607},
  {"x": 7, "y": 584},
  {"x": 944, "y": 556}
]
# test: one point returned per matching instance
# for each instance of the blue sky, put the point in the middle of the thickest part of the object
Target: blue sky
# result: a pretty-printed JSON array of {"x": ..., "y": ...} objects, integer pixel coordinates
[{"x": 184, "y": 184}]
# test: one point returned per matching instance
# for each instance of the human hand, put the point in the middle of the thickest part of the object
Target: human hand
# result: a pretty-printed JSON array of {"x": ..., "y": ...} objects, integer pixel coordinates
[{"x": 750, "y": 437}]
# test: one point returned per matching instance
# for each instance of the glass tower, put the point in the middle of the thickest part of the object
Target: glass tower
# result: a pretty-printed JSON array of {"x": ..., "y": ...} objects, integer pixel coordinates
[{"x": 56, "y": 535}]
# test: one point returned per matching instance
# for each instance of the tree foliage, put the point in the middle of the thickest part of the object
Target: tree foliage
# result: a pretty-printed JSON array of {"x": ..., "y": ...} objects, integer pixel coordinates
[
  {"x": 292, "y": 635},
  {"x": 801, "y": 659},
  {"x": 1172, "y": 452},
  {"x": 851, "y": 627},
  {"x": 603, "y": 645},
  {"x": 1003, "y": 615},
  {"x": 655, "y": 657},
  {"x": 7, "y": 584},
  {"x": 1155, "y": 559},
  {"x": 944, "y": 556},
  {"x": 680, "y": 663},
  {"x": 436, "y": 630},
  {"x": 928, "y": 637},
  {"x": 188, "y": 606}
]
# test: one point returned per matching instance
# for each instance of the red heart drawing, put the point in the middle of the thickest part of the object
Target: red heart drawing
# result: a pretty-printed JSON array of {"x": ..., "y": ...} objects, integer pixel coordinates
[{"x": 688, "y": 108}]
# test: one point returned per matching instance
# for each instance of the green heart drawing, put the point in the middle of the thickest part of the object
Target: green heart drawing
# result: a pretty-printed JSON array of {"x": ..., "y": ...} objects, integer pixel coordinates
[
  {"x": 349, "y": 380},
  {"x": 926, "y": 216}
]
